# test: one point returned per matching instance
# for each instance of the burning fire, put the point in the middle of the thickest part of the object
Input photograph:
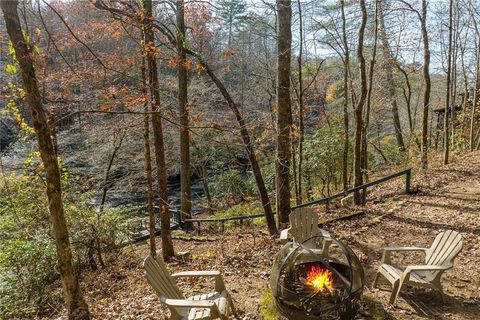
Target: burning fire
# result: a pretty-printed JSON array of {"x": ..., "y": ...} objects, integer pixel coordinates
[{"x": 319, "y": 278}]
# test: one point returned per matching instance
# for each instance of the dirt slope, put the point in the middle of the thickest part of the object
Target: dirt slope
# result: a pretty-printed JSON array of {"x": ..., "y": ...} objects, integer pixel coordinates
[{"x": 448, "y": 197}]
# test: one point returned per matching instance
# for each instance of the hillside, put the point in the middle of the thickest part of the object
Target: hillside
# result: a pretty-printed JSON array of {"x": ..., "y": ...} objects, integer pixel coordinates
[{"x": 447, "y": 198}]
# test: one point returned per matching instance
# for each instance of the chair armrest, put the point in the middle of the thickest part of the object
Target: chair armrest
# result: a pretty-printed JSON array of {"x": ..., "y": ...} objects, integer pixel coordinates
[
  {"x": 388, "y": 250},
  {"x": 185, "y": 303},
  {"x": 219, "y": 284},
  {"x": 428, "y": 267},
  {"x": 213, "y": 273},
  {"x": 409, "y": 269},
  {"x": 404, "y": 249},
  {"x": 284, "y": 235}
]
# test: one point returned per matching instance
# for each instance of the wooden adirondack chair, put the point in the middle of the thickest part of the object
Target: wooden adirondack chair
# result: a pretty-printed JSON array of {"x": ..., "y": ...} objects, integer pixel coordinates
[
  {"x": 438, "y": 258},
  {"x": 303, "y": 226},
  {"x": 213, "y": 305}
]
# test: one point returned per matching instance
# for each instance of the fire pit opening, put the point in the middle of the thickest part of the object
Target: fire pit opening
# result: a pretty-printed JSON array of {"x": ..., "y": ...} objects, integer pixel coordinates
[{"x": 320, "y": 278}]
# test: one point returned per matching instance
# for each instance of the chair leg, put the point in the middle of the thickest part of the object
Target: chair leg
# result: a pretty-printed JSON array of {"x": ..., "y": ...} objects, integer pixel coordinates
[
  {"x": 397, "y": 285},
  {"x": 375, "y": 280},
  {"x": 223, "y": 317},
  {"x": 442, "y": 295},
  {"x": 231, "y": 306}
]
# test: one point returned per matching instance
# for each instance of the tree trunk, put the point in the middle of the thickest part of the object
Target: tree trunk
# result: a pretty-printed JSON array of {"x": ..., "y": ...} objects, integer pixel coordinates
[
  {"x": 465, "y": 88},
  {"x": 186, "y": 201},
  {"x": 454, "y": 75},
  {"x": 90, "y": 255},
  {"x": 202, "y": 173},
  {"x": 428, "y": 84},
  {"x": 408, "y": 100},
  {"x": 257, "y": 173},
  {"x": 388, "y": 63},
  {"x": 284, "y": 111},
  {"x": 476, "y": 87},
  {"x": 53, "y": 129},
  {"x": 294, "y": 168},
  {"x": 357, "y": 154},
  {"x": 116, "y": 147},
  {"x": 75, "y": 303},
  {"x": 369, "y": 102},
  {"x": 167, "y": 244},
  {"x": 148, "y": 164},
  {"x": 345, "y": 98},
  {"x": 301, "y": 123},
  {"x": 448, "y": 107}
]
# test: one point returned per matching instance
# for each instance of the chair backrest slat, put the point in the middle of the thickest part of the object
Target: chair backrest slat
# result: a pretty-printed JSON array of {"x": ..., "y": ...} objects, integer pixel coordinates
[
  {"x": 445, "y": 248},
  {"x": 160, "y": 279},
  {"x": 303, "y": 224}
]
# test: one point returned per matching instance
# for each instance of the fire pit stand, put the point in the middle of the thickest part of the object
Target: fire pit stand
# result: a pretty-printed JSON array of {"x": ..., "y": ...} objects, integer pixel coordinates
[{"x": 320, "y": 278}]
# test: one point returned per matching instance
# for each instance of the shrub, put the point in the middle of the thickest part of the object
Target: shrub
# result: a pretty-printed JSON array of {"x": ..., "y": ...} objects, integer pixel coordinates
[
  {"x": 323, "y": 156},
  {"x": 95, "y": 234},
  {"x": 232, "y": 184},
  {"x": 27, "y": 252},
  {"x": 28, "y": 265}
]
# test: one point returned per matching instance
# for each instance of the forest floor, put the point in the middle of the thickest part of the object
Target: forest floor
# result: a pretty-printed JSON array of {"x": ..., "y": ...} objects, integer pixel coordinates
[{"x": 447, "y": 197}]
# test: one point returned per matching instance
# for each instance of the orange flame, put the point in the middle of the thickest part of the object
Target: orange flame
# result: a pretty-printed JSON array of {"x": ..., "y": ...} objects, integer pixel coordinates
[{"x": 319, "y": 278}]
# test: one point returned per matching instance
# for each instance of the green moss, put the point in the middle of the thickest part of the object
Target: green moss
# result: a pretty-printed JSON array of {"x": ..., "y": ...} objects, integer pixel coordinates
[
  {"x": 374, "y": 308},
  {"x": 182, "y": 235},
  {"x": 266, "y": 306},
  {"x": 241, "y": 209}
]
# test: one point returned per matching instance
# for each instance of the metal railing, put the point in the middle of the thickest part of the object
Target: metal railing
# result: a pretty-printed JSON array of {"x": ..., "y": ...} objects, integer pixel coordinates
[
  {"x": 143, "y": 233},
  {"x": 407, "y": 173},
  {"x": 175, "y": 217}
]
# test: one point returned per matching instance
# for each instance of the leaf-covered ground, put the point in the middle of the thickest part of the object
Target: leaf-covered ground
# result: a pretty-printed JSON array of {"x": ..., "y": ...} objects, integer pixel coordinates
[{"x": 447, "y": 197}]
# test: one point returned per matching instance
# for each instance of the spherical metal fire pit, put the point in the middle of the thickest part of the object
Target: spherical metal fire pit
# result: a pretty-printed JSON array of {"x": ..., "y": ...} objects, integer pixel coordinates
[{"x": 320, "y": 278}]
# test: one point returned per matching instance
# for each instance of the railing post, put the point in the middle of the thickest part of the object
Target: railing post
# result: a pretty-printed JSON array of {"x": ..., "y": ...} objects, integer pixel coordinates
[{"x": 408, "y": 177}]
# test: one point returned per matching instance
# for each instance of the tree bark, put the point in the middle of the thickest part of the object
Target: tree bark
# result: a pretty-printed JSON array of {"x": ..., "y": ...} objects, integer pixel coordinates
[
  {"x": 201, "y": 171},
  {"x": 369, "y": 101},
  {"x": 408, "y": 98},
  {"x": 357, "y": 154},
  {"x": 465, "y": 86},
  {"x": 167, "y": 244},
  {"x": 75, "y": 304},
  {"x": 476, "y": 87},
  {"x": 116, "y": 147},
  {"x": 453, "y": 74},
  {"x": 186, "y": 201},
  {"x": 301, "y": 122},
  {"x": 388, "y": 64},
  {"x": 346, "y": 141},
  {"x": 448, "y": 107},
  {"x": 428, "y": 84},
  {"x": 148, "y": 164},
  {"x": 284, "y": 111}
]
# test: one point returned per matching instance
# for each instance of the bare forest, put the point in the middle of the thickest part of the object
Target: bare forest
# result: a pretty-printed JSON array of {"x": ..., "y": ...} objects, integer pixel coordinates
[{"x": 191, "y": 132}]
